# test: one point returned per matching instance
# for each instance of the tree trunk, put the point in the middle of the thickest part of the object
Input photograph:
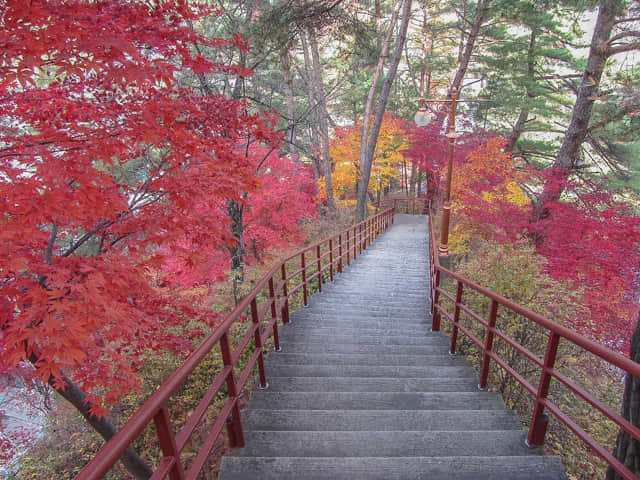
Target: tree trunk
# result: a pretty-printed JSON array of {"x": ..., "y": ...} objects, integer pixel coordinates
[
  {"x": 368, "y": 107},
  {"x": 568, "y": 154},
  {"x": 627, "y": 448},
  {"x": 412, "y": 180},
  {"x": 480, "y": 17},
  {"x": 291, "y": 106},
  {"x": 367, "y": 160},
  {"x": 323, "y": 120},
  {"x": 76, "y": 397},
  {"x": 518, "y": 128},
  {"x": 313, "y": 126},
  {"x": 235, "y": 211}
]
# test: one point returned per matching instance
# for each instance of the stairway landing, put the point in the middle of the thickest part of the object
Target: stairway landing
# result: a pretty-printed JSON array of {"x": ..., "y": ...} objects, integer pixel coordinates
[{"x": 363, "y": 390}]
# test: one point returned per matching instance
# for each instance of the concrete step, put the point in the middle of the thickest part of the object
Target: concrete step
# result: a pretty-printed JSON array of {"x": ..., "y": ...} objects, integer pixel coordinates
[
  {"x": 392, "y": 468},
  {"x": 367, "y": 329},
  {"x": 293, "y": 347},
  {"x": 375, "y": 384},
  {"x": 346, "y": 290},
  {"x": 403, "y": 302},
  {"x": 365, "y": 371},
  {"x": 376, "y": 401},
  {"x": 311, "y": 337},
  {"x": 383, "y": 444},
  {"x": 282, "y": 358},
  {"x": 373, "y": 312},
  {"x": 391, "y": 322},
  {"x": 380, "y": 420}
]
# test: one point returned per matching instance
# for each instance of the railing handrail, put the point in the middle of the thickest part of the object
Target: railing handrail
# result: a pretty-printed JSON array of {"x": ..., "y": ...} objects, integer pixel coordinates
[
  {"x": 154, "y": 406},
  {"x": 594, "y": 347},
  {"x": 556, "y": 331}
]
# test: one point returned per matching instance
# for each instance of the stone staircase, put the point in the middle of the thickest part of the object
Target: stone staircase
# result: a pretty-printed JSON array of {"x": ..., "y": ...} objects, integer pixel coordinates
[{"x": 363, "y": 390}]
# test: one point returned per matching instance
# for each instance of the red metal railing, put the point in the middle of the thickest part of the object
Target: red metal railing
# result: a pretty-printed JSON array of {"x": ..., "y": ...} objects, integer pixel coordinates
[
  {"x": 267, "y": 302},
  {"x": 547, "y": 365},
  {"x": 405, "y": 204}
]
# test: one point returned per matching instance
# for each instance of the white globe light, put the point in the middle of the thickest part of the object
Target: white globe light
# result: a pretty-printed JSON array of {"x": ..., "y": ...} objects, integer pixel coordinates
[{"x": 423, "y": 117}]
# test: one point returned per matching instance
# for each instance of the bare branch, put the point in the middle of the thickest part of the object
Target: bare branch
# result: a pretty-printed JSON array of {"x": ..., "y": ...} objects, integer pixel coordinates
[
  {"x": 52, "y": 240},
  {"x": 624, "y": 48}
]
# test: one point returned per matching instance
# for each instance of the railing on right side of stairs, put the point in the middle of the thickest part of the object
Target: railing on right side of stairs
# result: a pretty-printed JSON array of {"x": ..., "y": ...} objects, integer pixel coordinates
[{"x": 450, "y": 306}]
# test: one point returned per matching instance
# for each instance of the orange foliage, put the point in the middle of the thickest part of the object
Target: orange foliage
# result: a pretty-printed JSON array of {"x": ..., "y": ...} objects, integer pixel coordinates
[{"x": 345, "y": 155}]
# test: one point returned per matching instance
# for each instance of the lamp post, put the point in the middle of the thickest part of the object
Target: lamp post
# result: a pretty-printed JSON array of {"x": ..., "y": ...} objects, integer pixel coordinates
[{"x": 422, "y": 119}]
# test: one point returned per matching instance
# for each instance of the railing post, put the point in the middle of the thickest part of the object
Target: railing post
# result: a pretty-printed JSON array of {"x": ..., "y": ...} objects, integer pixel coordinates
[
  {"x": 331, "y": 259},
  {"x": 435, "y": 315},
  {"x": 303, "y": 265},
  {"x": 168, "y": 442},
  {"x": 319, "y": 266},
  {"x": 274, "y": 315},
  {"x": 488, "y": 345},
  {"x": 456, "y": 319},
  {"x": 285, "y": 293},
  {"x": 372, "y": 229},
  {"x": 365, "y": 234},
  {"x": 340, "y": 253},
  {"x": 348, "y": 249},
  {"x": 234, "y": 427},
  {"x": 257, "y": 338},
  {"x": 539, "y": 420}
]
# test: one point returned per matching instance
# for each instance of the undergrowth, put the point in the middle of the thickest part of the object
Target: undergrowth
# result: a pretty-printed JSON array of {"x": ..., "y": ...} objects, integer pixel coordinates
[{"x": 516, "y": 272}]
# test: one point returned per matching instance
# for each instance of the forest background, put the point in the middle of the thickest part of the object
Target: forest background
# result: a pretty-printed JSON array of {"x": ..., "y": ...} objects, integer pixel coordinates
[{"x": 191, "y": 142}]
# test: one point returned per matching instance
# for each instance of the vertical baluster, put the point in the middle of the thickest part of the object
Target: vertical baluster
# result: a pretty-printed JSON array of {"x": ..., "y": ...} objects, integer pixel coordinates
[
  {"x": 356, "y": 242},
  {"x": 234, "y": 426},
  {"x": 539, "y": 420},
  {"x": 319, "y": 267},
  {"x": 257, "y": 339},
  {"x": 303, "y": 265},
  {"x": 365, "y": 233},
  {"x": 274, "y": 315},
  {"x": 340, "y": 253},
  {"x": 456, "y": 319},
  {"x": 285, "y": 293},
  {"x": 435, "y": 314},
  {"x": 488, "y": 345},
  {"x": 348, "y": 249},
  {"x": 331, "y": 259},
  {"x": 167, "y": 441}
]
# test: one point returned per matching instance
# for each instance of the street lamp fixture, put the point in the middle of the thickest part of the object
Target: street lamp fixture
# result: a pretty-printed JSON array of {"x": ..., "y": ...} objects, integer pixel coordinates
[
  {"x": 422, "y": 119},
  {"x": 423, "y": 116}
]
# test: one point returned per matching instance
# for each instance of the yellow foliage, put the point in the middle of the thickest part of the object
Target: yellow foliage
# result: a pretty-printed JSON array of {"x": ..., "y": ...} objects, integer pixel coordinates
[{"x": 345, "y": 156}]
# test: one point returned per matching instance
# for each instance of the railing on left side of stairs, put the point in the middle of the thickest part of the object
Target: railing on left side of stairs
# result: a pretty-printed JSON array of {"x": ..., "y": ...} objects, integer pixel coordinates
[
  {"x": 445, "y": 304},
  {"x": 268, "y": 302}
]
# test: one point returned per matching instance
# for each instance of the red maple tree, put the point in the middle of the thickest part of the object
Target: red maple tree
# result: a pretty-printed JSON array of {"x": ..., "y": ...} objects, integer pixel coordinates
[
  {"x": 590, "y": 238},
  {"x": 284, "y": 195},
  {"x": 104, "y": 153}
]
